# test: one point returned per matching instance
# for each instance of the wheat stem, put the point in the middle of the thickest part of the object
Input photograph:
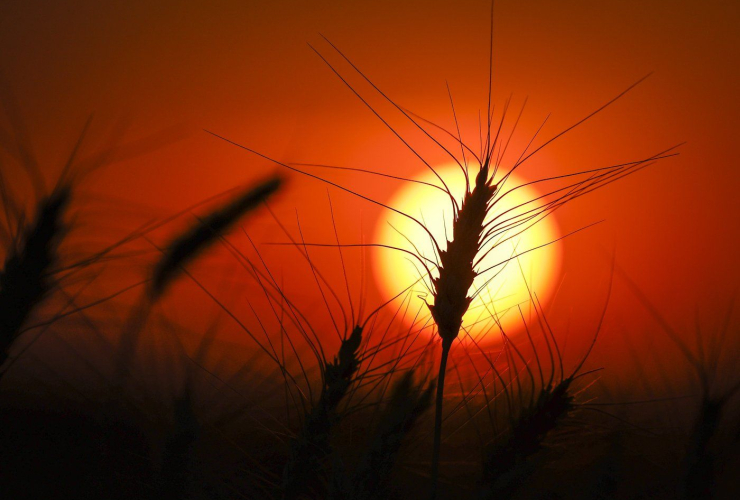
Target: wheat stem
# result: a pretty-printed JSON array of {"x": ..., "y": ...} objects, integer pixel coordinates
[{"x": 446, "y": 345}]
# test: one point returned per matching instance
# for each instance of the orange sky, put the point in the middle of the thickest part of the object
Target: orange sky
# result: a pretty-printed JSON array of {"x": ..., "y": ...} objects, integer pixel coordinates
[{"x": 244, "y": 70}]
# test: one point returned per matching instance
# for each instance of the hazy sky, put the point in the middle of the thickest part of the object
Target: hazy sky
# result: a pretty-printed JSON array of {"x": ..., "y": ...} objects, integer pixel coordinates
[{"x": 244, "y": 69}]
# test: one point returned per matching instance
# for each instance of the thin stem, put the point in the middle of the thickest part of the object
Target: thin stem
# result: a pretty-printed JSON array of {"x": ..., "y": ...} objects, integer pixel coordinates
[{"x": 446, "y": 344}]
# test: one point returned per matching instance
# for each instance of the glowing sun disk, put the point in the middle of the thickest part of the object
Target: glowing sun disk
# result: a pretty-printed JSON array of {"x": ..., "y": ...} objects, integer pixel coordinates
[{"x": 503, "y": 285}]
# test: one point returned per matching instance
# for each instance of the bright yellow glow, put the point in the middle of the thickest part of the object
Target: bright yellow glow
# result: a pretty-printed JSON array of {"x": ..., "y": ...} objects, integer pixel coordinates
[{"x": 396, "y": 270}]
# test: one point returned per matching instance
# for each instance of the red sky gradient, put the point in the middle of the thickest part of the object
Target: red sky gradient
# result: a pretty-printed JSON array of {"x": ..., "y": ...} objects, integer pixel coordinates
[{"x": 244, "y": 70}]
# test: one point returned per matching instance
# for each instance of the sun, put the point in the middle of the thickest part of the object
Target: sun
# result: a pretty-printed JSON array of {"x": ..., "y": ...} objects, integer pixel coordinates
[{"x": 507, "y": 274}]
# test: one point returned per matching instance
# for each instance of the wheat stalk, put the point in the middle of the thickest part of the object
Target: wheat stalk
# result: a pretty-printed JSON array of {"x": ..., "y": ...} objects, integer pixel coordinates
[
  {"x": 181, "y": 250},
  {"x": 450, "y": 288},
  {"x": 191, "y": 243},
  {"x": 407, "y": 404},
  {"x": 506, "y": 463},
  {"x": 308, "y": 451},
  {"x": 26, "y": 278}
]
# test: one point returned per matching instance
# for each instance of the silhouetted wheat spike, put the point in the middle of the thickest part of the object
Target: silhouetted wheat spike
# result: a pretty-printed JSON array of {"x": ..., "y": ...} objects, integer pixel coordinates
[
  {"x": 303, "y": 471},
  {"x": 407, "y": 403},
  {"x": 450, "y": 288},
  {"x": 507, "y": 463},
  {"x": 511, "y": 459},
  {"x": 26, "y": 278},
  {"x": 179, "y": 252},
  {"x": 700, "y": 465},
  {"x": 187, "y": 246}
]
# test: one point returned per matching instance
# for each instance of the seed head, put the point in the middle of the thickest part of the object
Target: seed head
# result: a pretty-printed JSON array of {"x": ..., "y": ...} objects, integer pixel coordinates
[
  {"x": 456, "y": 270},
  {"x": 26, "y": 277}
]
